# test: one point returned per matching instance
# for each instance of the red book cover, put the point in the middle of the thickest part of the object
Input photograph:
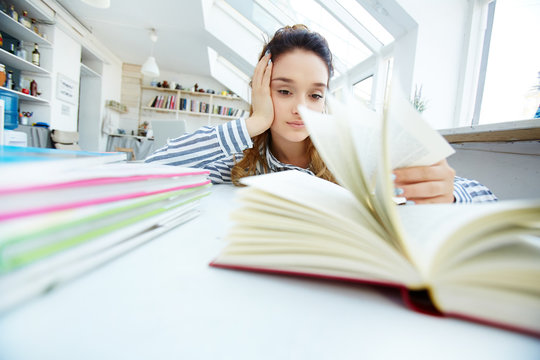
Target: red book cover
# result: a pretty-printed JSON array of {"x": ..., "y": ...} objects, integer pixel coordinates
[{"x": 416, "y": 300}]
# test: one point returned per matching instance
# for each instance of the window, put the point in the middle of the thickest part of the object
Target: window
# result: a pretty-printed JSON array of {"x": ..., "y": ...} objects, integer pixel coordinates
[
  {"x": 364, "y": 18},
  {"x": 511, "y": 89},
  {"x": 362, "y": 90},
  {"x": 268, "y": 15}
]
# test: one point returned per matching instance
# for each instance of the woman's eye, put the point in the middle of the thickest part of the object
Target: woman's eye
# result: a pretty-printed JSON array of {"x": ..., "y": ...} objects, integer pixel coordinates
[
  {"x": 317, "y": 96},
  {"x": 284, "y": 92}
]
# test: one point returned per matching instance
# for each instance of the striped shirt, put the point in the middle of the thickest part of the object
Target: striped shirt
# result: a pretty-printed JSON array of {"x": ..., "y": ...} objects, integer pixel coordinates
[{"x": 218, "y": 148}]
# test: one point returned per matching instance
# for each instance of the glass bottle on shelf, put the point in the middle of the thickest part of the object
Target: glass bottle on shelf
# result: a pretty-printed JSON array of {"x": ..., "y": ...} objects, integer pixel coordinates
[
  {"x": 12, "y": 48},
  {"x": 2, "y": 74},
  {"x": 9, "y": 82},
  {"x": 33, "y": 88},
  {"x": 21, "y": 51},
  {"x": 25, "y": 20},
  {"x": 13, "y": 13},
  {"x": 35, "y": 55},
  {"x": 34, "y": 26}
]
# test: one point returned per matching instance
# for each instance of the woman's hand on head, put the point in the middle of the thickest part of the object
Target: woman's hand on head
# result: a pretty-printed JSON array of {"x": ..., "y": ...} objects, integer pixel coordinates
[
  {"x": 426, "y": 184},
  {"x": 261, "y": 101}
]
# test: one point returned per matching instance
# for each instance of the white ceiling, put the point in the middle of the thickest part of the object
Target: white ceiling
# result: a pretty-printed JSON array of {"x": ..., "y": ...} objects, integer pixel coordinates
[{"x": 124, "y": 30}]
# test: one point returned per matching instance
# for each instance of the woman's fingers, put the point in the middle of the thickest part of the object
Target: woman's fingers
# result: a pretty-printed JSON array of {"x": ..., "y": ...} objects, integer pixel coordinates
[
  {"x": 426, "y": 184},
  {"x": 437, "y": 171},
  {"x": 260, "y": 70},
  {"x": 265, "y": 83},
  {"x": 428, "y": 191},
  {"x": 261, "y": 100}
]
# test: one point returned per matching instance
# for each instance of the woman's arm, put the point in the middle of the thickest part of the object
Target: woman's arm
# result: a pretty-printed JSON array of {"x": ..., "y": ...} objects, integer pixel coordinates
[
  {"x": 210, "y": 148},
  {"x": 468, "y": 191}
]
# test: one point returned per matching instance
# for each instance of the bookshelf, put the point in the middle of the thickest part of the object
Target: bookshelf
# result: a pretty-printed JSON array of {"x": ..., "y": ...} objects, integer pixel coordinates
[{"x": 193, "y": 107}]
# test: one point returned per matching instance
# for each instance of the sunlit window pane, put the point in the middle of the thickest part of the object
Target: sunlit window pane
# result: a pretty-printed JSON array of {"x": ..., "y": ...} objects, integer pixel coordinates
[
  {"x": 511, "y": 89},
  {"x": 343, "y": 43},
  {"x": 362, "y": 90},
  {"x": 366, "y": 20},
  {"x": 264, "y": 20},
  {"x": 346, "y": 48}
]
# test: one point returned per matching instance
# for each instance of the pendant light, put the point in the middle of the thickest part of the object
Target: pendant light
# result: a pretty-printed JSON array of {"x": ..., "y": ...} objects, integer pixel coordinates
[{"x": 150, "y": 67}]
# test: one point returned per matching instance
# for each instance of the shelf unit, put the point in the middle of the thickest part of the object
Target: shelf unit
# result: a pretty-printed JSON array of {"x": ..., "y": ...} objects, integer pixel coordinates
[
  {"x": 22, "y": 68},
  {"x": 12, "y": 27},
  {"x": 14, "y": 61},
  {"x": 148, "y": 93},
  {"x": 26, "y": 97}
]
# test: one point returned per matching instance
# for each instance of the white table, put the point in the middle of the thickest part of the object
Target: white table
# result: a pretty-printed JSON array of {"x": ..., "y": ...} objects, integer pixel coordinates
[{"x": 163, "y": 301}]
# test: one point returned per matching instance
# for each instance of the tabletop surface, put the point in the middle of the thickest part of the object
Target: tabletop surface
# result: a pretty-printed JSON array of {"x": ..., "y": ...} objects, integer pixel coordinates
[{"x": 163, "y": 301}]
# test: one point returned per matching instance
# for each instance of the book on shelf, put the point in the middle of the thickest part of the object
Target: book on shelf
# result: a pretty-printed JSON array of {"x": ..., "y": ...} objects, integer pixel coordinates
[
  {"x": 59, "y": 224},
  {"x": 479, "y": 262}
]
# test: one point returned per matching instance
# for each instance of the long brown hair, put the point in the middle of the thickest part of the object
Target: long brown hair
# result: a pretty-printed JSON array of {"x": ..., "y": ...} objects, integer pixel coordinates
[{"x": 285, "y": 40}]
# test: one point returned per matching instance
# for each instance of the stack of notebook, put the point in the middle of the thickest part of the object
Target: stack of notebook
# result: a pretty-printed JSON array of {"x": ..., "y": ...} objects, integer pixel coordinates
[{"x": 65, "y": 212}]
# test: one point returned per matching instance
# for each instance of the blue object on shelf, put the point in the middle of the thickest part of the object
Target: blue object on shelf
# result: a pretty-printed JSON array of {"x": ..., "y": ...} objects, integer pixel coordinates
[{"x": 11, "y": 107}]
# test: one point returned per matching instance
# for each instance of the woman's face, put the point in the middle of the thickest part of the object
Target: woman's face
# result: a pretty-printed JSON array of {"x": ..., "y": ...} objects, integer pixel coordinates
[{"x": 299, "y": 77}]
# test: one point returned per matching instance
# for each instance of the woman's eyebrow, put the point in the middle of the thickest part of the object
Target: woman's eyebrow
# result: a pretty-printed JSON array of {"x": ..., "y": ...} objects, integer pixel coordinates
[{"x": 289, "y": 81}]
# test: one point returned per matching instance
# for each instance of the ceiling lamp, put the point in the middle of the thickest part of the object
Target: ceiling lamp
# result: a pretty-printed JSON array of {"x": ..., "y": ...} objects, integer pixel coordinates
[
  {"x": 150, "y": 67},
  {"x": 102, "y": 4}
]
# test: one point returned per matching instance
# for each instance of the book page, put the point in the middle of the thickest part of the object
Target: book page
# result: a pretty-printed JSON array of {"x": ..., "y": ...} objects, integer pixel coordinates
[
  {"x": 331, "y": 136},
  {"x": 407, "y": 140},
  {"x": 361, "y": 149},
  {"x": 296, "y": 222},
  {"x": 412, "y": 142},
  {"x": 349, "y": 141},
  {"x": 441, "y": 235},
  {"x": 315, "y": 193}
]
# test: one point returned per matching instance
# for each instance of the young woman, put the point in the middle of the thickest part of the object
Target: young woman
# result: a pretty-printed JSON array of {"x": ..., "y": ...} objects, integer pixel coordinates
[{"x": 294, "y": 69}]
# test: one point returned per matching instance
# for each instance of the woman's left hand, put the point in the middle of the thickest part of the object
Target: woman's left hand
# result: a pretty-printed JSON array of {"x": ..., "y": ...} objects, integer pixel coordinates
[{"x": 426, "y": 184}]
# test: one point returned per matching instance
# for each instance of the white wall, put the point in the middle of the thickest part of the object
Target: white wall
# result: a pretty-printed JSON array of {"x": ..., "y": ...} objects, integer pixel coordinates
[
  {"x": 66, "y": 61},
  {"x": 89, "y": 100},
  {"x": 442, "y": 26},
  {"x": 111, "y": 89},
  {"x": 511, "y": 170}
]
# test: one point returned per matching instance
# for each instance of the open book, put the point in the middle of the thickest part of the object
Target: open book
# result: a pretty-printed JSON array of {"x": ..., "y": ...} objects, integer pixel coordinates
[{"x": 475, "y": 261}]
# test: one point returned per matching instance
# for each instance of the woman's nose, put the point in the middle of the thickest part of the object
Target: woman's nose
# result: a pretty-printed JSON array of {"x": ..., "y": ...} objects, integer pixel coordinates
[{"x": 299, "y": 101}]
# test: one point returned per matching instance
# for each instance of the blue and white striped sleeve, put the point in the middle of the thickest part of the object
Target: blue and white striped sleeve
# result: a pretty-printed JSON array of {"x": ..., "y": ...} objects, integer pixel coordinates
[
  {"x": 210, "y": 148},
  {"x": 470, "y": 191}
]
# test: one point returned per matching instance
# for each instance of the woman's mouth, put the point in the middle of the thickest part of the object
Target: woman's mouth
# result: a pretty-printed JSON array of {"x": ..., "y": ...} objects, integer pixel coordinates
[{"x": 296, "y": 124}]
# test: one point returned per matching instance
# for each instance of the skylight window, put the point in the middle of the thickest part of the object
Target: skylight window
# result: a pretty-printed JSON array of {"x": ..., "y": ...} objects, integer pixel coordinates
[
  {"x": 364, "y": 18},
  {"x": 347, "y": 47},
  {"x": 268, "y": 15}
]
